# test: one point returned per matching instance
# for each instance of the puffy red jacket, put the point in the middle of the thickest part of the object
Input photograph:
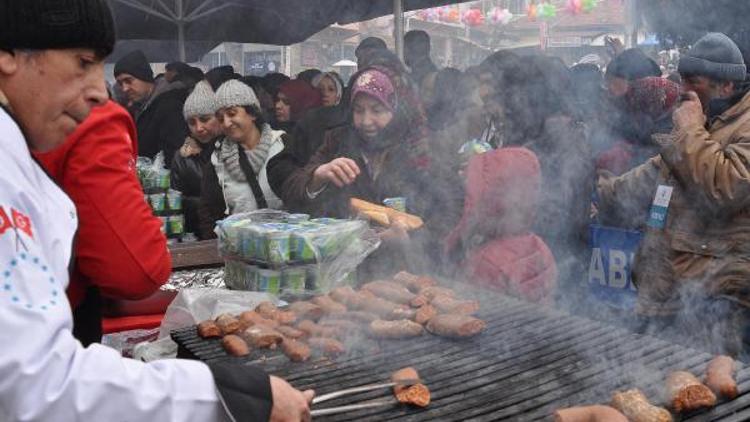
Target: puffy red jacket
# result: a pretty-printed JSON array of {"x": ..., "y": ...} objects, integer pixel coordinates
[
  {"x": 502, "y": 193},
  {"x": 119, "y": 245}
]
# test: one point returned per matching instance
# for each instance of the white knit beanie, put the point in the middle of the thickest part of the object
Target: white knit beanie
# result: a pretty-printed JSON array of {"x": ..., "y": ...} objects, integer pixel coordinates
[
  {"x": 201, "y": 102},
  {"x": 235, "y": 93}
]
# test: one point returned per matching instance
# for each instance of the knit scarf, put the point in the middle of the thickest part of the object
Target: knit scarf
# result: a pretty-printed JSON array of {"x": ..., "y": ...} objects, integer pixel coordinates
[{"x": 229, "y": 155}]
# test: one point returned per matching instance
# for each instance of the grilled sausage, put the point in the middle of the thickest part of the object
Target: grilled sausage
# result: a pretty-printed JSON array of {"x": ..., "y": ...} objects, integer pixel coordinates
[
  {"x": 685, "y": 393},
  {"x": 290, "y": 332},
  {"x": 286, "y": 317},
  {"x": 416, "y": 394},
  {"x": 250, "y": 318},
  {"x": 449, "y": 305},
  {"x": 413, "y": 282},
  {"x": 296, "y": 351},
  {"x": 389, "y": 290},
  {"x": 329, "y": 305},
  {"x": 235, "y": 345},
  {"x": 327, "y": 345},
  {"x": 424, "y": 314},
  {"x": 402, "y": 312},
  {"x": 636, "y": 407},
  {"x": 456, "y": 326},
  {"x": 595, "y": 413},
  {"x": 358, "y": 316},
  {"x": 307, "y": 310},
  {"x": 720, "y": 377},
  {"x": 267, "y": 310},
  {"x": 341, "y": 325},
  {"x": 419, "y": 301},
  {"x": 228, "y": 324},
  {"x": 315, "y": 330},
  {"x": 262, "y": 336},
  {"x": 379, "y": 307},
  {"x": 346, "y": 296},
  {"x": 432, "y": 292},
  {"x": 209, "y": 329},
  {"x": 402, "y": 328}
]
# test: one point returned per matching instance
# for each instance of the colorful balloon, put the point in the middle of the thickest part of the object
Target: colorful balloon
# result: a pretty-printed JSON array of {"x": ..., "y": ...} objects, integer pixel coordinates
[
  {"x": 574, "y": 6},
  {"x": 589, "y": 5},
  {"x": 473, "y": 17},
  {"x": 532, "y": 12},
  {"x": 547, "y": 11},
  {"x": 500, "y": 16}
]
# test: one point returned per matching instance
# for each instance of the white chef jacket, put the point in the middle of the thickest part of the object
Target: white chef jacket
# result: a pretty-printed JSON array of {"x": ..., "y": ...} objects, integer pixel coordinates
[{"x": 45, "y": 373}]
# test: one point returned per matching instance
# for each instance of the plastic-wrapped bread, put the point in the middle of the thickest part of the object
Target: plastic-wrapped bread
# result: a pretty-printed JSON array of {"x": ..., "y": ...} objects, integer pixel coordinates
[
  {"x": 636, "y": 407},
  {"x": 720, "y": 377},
  {"x": 329, "y": 305},
  {"x": 296, "y": 351},
  {"x": 685, "y": 393},
  {"x": 384, "y": 215},
  {"x": 595, "y": 413},
  {"x": 455, "y": 325},
  {"x": 209, "y": 329},
  {"x": 235, "y": 345},
  {"x": 403, "y": 328},
  {"x": 228, "y": 324}
]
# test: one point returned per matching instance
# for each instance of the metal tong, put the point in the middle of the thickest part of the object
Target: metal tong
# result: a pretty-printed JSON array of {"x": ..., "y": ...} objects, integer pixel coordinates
[{"x": 361, "y": 389}]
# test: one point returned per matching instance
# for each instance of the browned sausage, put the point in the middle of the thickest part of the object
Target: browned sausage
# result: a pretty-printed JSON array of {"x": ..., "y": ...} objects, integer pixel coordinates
[
  {"x": 636, "y": 407},
  {"x": 329, "y": 305},
  {"x": 379, "y": 307},
  {"x": 424, "y": 314},
  {"x": 431, "y": 292},
  {"x": 595, "y": 413},
  {"x": 451, "y": 305},
  {"x": 345, "y": 295},
  {"x": 402, "y": 312},
  {"x": 419, "y": 301},
  {"x": 290, "y": 332},
  {"x": 286, "y": 317},
  {"x": 296, "y": 351},
  {"x": 228, "y": 324},
  {"x": 267, "y": 310},
  {"x": 235, "y": 345},
  {"x": 455, "y": 325},
  {"x": 389, "y": 290},
  {"x": 413, "y": 282},
  {"x": 315, "y": 330},
  {"x": 327, "y": 345},
  {"x": 358, "y": 316},
  {"x": 341, "y": 325},
  {"x": 262, "y": 336},
  {"x": 209, "y": 329},
  {"x": 307, "y": 310},
  {"x": 416, "y": 394},
  {"x": 685, "y": 393},
  {"x": 250, "y": 318},
  {"x": 402, "y": 328},
  {"x": 720, "y": 377}
]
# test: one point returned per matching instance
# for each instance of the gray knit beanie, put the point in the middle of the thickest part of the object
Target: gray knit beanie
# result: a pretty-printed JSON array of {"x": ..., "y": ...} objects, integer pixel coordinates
[
  {"x": 714, "y": 56},
  {"x": 235, "y": 93},
  {"x": 201, "y": 101}
]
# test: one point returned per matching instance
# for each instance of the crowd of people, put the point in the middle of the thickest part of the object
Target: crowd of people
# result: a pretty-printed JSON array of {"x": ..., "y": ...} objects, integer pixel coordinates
[{"x": 508, "y": 163}]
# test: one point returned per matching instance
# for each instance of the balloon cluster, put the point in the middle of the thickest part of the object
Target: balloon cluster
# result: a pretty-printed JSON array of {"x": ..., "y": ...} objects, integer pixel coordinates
[
  {"x": 500, "y": 16},
  {"x": 473, "y": 17},
  {"x": 580, "y": 6}
]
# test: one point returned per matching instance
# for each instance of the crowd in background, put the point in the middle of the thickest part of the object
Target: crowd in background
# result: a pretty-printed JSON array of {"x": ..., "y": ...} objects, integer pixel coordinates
[{"x": 507, "y": 162}]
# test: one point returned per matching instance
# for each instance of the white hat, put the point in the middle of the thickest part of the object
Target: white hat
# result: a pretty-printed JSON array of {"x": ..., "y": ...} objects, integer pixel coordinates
[
  {"x": 201, "y": 101},
  {"x": 235, "y": 93}
]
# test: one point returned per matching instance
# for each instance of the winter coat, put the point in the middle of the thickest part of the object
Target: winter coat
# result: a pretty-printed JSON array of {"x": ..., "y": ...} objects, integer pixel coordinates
[
  {"x": 705, "y": 243},
  {"x": 493, "y": 241},
  {"x": 305, "y": 139},
  {"x": 47, "y": 374},
  {"x": 226, "y": 190},
  {"x": 187, "y": 177},
  {"x": 120, "y": 249},
  {"x": 434, "y": 197},
  {"x": 161, "y": 123}
]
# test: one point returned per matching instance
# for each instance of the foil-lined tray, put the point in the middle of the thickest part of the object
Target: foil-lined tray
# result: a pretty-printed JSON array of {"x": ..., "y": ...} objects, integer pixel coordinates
[{"x": 212, "y": 278}]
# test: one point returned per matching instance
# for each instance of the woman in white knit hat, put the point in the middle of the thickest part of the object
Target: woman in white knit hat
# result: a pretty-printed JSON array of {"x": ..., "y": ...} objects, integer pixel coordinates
[
  {"x": 188, "y": 163},
  {"x": 237, "y": 181}
]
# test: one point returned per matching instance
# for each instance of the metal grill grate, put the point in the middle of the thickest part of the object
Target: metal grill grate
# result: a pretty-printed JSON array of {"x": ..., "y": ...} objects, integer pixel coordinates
[{"x": 528, "y": 363}]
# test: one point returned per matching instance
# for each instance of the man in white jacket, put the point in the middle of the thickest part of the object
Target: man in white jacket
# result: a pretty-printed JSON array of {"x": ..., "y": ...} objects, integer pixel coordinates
[{"x": 51, "y": 75}]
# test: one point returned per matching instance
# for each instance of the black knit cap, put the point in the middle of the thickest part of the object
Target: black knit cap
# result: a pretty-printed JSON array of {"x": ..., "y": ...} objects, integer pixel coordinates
[
  {"x": 57, "y": 24},
  {"x": 715, "y": 56},
  {"x": 135, "y": 64},
  {"x": 633, "y": 64}
]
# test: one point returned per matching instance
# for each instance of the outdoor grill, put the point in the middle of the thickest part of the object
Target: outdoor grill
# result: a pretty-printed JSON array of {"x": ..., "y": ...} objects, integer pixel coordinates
[{"x": 529, "y": 362}]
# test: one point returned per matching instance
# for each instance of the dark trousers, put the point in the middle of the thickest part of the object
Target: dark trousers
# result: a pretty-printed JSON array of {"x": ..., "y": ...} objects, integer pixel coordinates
[{"x": 87, "y": 318}]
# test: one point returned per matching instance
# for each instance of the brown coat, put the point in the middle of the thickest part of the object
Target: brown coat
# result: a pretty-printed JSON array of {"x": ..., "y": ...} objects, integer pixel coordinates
[{"x": 705, "y": 245}]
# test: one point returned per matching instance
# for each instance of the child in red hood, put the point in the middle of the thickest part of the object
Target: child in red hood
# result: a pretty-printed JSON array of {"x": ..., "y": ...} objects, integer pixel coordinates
[{"x": 493, "y": 240}]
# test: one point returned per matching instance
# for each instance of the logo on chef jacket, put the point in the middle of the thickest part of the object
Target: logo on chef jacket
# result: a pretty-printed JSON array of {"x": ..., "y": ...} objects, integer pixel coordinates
[{"x": 17, "y": 220}]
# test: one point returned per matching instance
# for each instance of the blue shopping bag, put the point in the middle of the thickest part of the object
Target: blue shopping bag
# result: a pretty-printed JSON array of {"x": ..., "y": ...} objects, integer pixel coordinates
[{"x": 609, "y": 275}]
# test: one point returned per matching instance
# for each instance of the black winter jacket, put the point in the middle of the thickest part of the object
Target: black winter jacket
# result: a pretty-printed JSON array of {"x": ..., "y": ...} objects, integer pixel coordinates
[{"x": 161, "y": 125}]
